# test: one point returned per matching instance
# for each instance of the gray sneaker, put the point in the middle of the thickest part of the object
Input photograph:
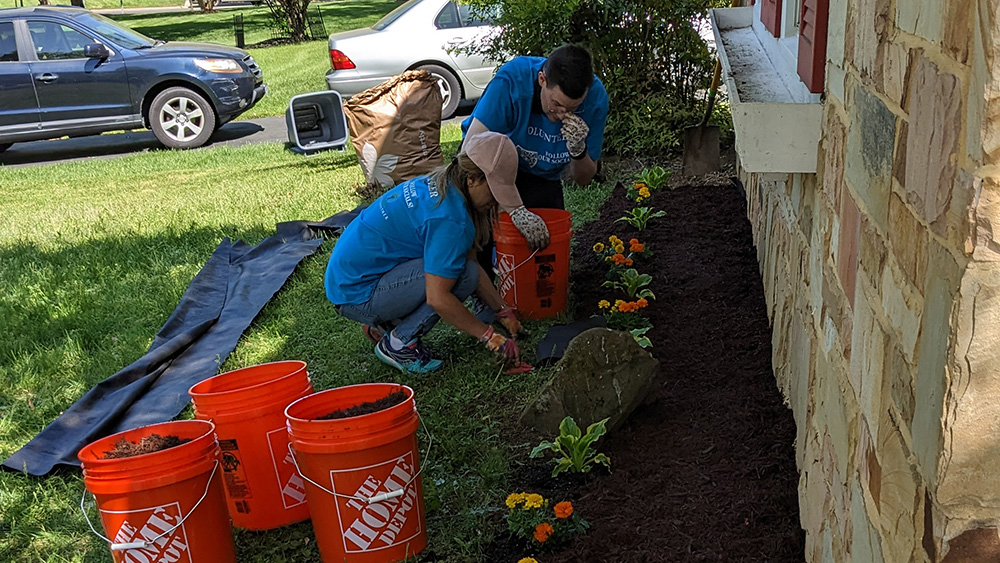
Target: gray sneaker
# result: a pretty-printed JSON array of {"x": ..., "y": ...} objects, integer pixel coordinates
[{"x": 415, "y": 358}]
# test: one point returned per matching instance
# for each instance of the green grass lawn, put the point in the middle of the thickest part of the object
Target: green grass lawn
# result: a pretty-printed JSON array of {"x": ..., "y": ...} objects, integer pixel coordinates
[
  {"x": 288, "y": 69},
  {"x": 94, "y": 256}
]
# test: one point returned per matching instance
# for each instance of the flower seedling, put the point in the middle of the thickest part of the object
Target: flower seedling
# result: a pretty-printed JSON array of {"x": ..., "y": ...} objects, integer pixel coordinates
[
  {"x": 530, "y": 518},
  {"x": 575, "y": 450},
  {"x": 639, "y": 216},
  {"x": 638, "y": 192},
  {"x": 633, "y": 284},
  {"x": 655, "y": 177},
  {"x": 639, "y": 334}
]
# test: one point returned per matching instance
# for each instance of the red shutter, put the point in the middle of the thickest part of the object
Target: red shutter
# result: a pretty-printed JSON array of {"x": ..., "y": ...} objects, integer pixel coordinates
[
  {"x": 812, "y": 43},
  {"x": 770, "y": 15}
]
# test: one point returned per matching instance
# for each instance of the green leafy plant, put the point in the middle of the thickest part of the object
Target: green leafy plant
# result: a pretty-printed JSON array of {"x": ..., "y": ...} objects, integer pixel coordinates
[
  {"x": 639, "y": 216},
  {"x": 574, "y": 449},
  {"x": 530, "y": 518},
  {"x": 633, "y": 284},
  {"x": 639, "y": 334},
  {"x": 654, "y": 178}
]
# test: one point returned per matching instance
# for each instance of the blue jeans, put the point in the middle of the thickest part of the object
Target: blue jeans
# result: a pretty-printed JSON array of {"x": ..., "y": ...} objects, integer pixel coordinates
[{"x": 400, "y": 299}]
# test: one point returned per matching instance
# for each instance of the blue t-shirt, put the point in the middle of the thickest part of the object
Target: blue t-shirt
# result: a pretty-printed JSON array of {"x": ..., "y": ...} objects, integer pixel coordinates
[
  {"x": 405, "y": 223},
  {"x": 506, "y": 107}
]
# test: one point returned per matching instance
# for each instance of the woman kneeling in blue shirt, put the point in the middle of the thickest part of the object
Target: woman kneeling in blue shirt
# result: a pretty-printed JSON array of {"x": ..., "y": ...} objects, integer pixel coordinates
[{"x": 409, "y": 258}]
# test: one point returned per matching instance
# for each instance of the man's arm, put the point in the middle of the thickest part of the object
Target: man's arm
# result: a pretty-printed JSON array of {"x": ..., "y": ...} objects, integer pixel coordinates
[{"x": 583, "y": 170}]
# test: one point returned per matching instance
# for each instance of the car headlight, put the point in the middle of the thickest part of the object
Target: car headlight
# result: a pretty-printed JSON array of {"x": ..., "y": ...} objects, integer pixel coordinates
[{"x": 218, "y": 65}]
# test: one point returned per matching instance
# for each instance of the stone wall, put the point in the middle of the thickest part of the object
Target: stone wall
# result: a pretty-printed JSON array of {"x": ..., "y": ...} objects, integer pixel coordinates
[{"x": 882, "y": 275}]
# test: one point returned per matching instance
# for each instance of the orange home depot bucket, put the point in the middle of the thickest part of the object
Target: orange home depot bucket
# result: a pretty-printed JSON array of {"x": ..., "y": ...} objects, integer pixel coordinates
[
  {"x": 263, "y": 490},
  {"x": 536, "y": 284},
  {"x": 165, "y": 506},
  {"x": 347, "y": 461}
]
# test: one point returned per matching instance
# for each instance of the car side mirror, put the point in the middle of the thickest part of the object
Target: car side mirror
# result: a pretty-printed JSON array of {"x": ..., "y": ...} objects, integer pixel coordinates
[{"x": 96, "y": 51}]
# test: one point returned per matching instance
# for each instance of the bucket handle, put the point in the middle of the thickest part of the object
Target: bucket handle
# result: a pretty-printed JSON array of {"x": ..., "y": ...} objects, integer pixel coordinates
[
  {"x": 141, "y": 544},
  {"x": 381, "y": 496},
  {"x": 505, "y": 272}
]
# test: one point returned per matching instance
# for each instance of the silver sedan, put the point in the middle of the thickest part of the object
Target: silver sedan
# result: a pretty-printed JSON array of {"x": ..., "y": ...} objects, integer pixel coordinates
[{"x": 420, "y": 34}]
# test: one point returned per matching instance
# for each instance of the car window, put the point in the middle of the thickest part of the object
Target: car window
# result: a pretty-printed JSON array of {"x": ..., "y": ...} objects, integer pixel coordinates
[
  {"x": 447, "y": 18},
  {"x": 8, "y": 45},
  {"x": 473, "y": 16},
  {"x": 394, "y": 15},
  {"x": 123, "y": 36},
  {"x": 56, "y": 41}
]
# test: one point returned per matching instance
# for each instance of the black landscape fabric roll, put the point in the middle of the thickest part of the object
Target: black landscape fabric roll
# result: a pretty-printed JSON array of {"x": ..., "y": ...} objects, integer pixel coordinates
[{"x": 221, "y": 302}]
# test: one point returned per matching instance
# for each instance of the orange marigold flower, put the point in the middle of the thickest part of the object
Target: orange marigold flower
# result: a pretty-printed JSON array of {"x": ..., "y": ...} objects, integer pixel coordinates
[
  {"x": 640, "y": 185},
  {"x": 543, "y": 531},
  {"x": 628, "y": 261},
  {"x": 619, "y": 259},
  {"x": 564, "y": 509},
  {"x": 642, "y": 303},
  {"x": 636, "y": 247},
  {"x": 633, "y": 241}
]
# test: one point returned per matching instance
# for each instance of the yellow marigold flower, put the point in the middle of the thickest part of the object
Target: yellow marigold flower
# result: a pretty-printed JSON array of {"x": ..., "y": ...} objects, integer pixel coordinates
[
  {"x": 514, "y": 499},
  {"x": 620, "y": 248},
  {"x": 599, "y": 247},
  {"x": 533, "y": 500},
  {"x": 614, "y": 240},
  {"x": 564, "y": 509},
  {"x": 644, "y": 191},
  {"x": 638, "y": 199},
  {"x": 603, "y": 304},
  {"x": 608, "y": 258},
  {"x": 528, "y": 560}
]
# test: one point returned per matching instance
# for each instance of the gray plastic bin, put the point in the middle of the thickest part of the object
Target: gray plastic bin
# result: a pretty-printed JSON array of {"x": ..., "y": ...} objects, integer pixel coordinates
[{"x": 316, "y": 121}]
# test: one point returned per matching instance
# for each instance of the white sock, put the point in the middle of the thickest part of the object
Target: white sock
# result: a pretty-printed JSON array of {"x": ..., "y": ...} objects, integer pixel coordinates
[{"x": 395, "y": 342}]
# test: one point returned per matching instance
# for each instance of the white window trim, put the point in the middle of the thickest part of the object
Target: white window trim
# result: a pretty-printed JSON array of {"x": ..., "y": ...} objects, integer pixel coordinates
[{"x": 784, "y": 53}]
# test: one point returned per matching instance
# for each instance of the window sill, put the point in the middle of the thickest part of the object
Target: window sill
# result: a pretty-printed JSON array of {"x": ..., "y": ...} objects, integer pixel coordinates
[{"x": 778, "y": 122}]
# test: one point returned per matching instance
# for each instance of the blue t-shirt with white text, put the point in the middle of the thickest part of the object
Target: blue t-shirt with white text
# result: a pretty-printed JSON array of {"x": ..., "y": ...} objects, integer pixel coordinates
[
  {"x": 405, "y": 223},
  {"x": 506, "y": 107}
]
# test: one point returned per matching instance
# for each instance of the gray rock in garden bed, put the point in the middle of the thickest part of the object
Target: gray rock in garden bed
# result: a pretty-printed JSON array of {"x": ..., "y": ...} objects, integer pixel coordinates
[{"x": 604, "y": 373}]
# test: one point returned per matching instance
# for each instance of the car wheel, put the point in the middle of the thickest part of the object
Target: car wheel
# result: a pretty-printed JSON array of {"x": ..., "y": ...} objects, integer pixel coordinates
[
  {"x": 181, "y": 118},
  {"x": 451, "y": 90},
  {"x": 5, "y": 146}
]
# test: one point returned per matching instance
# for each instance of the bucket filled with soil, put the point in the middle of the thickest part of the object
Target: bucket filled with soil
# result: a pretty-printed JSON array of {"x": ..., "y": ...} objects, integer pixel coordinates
[
  {"x": 263, "y": 489},
  {"x": 159, "y": 493},
  {"x": 356, "y": 448}
]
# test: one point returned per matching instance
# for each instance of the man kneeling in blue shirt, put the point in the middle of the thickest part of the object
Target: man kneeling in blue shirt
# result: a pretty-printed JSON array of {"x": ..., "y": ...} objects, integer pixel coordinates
[{"x": 554, "y": 110}]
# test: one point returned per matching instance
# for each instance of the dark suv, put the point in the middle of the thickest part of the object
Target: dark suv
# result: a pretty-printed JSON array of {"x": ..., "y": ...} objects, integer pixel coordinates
[{"x": 68, "y": 71}]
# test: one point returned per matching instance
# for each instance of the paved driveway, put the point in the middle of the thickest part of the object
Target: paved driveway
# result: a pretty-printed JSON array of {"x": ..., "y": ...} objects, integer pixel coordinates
[{"x": 234, "y": 133}]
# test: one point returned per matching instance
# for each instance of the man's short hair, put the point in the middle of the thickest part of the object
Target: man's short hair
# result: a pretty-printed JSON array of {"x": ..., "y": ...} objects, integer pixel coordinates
[{"x": 570, "y": 68}]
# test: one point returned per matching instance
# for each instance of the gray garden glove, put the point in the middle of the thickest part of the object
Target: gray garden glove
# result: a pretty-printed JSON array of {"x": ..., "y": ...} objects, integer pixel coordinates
[
  {"x": 575, "y": 130},
  {"x": 531, "y": 226}
]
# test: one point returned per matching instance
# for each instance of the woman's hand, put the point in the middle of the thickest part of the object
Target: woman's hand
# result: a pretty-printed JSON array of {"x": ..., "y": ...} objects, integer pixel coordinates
[
  {"x": 508, "y": 318},
  {"x": 501, "y": 345}
]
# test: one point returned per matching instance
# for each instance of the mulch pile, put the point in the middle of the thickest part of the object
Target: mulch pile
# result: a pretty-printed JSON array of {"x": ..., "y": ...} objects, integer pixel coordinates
[
  {"x": 147, "y": 445},
  {"x": 706, "y": 471},
  {"x": 387, "y": 402}
]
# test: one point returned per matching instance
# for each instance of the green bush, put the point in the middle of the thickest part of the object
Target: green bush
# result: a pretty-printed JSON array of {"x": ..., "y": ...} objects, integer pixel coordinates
[{"x": 647, "y": 52}]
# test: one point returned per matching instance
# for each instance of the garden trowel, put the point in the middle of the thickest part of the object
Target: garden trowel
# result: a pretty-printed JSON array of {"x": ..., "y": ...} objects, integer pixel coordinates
[{"x": 701, "y": 142}]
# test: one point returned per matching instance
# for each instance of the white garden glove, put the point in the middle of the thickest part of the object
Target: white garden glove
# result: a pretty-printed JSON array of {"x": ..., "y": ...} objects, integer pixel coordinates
[
  {"x": 575, "y": 130},
  {"x": 531, "y": 226}
]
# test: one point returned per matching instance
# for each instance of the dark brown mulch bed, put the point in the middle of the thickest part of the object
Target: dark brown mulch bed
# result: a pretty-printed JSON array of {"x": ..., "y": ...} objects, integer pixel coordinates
[
  {"x": 706, "y": 472},
  {"x": 389, "y": 401},
  {"x": 147, "y": 445}
]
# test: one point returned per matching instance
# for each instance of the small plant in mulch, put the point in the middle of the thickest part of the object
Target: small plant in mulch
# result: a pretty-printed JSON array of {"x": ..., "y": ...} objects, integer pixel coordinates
[
  {"x": 541, "y": 528},
  {"x": 147, "y": 445},
  {"x": 389, "y": 401},
  {"x": 574, "y": 449},
  {"x": 618, "y": 256},
  {"x": 654, "y": 178},
  {"x": 640, "y": 216}
]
